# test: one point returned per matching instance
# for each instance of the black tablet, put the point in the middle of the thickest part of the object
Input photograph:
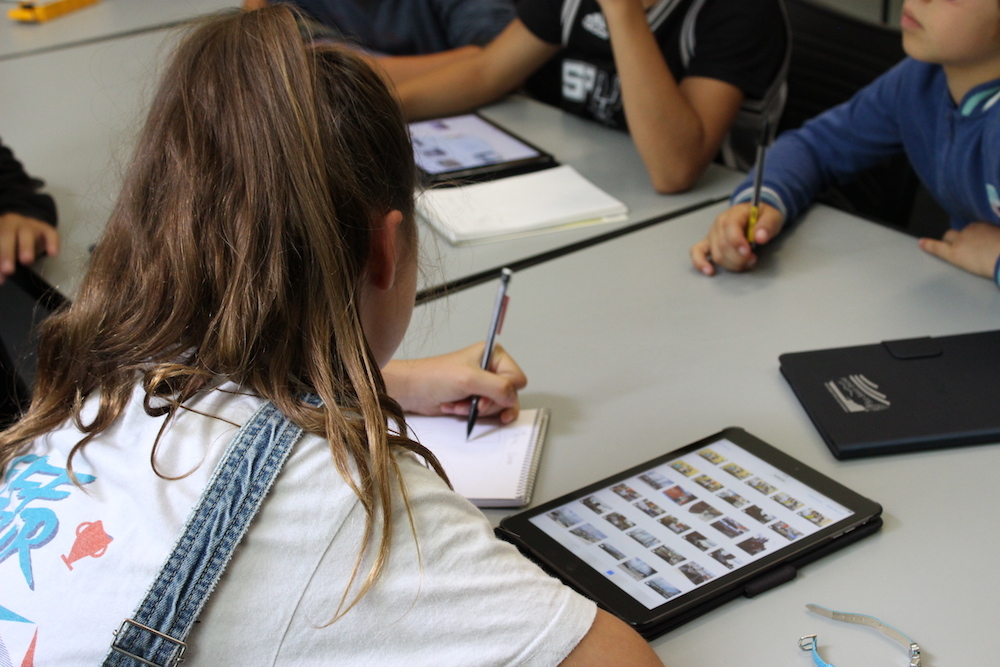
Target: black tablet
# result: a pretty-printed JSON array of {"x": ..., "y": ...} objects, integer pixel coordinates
[
  {"x": 667, "y": 540},
  {"x": 469, "y": 148}
]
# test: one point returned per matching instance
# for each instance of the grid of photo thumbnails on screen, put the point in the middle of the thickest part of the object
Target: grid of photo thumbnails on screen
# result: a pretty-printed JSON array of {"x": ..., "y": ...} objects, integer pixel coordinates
[{"x": 678, "y": 526}]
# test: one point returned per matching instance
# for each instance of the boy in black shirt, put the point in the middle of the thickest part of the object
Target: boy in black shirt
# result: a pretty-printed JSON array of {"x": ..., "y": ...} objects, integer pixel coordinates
[{"x": 680, "y": 74}]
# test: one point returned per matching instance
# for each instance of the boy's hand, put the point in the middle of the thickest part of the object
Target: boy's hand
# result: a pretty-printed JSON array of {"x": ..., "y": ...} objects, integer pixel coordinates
[
  {"x": 22, "y": 239},
  {"x": 974, "y": 248},
  {"x": 726, "y": 244},
  {"x": 444, "y": 385}
]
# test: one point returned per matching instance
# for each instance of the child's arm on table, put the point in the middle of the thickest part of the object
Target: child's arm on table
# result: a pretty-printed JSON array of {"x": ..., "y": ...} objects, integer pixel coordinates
[
  {"x": 726, "y": 244},
  {"x": 400, "y": 69},
  {"x": 611, "y": 643},
  {"x": 443, "y": 385},
  {"x": 397, "y": 69},
  {"x": 975, "y": 248},
  {"x": 677, "y": 127},
  {"x": 481, "y": 77}
]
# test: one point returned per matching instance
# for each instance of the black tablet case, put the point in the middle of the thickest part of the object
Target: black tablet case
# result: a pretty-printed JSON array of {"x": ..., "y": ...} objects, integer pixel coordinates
[
  {"x": 902, "y": 395},
  {"x": 490, "y": 172},
  {"x": 766, "y": 581},
  {"x": 777, "y": 574}
]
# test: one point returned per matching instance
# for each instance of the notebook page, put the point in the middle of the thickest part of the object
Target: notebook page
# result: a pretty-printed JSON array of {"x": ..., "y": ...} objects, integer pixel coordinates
[
  {"x": 517, "y": 204},
  {"x": 492, "y": 465}
]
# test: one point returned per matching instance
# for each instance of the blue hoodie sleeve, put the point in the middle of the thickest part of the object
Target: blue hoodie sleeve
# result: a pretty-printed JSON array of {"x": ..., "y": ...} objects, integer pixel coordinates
[{"x": 832, "y": 147}]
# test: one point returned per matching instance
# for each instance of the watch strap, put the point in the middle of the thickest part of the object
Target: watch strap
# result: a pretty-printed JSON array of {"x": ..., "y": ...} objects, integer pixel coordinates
[{"x": 872, "y": 622}]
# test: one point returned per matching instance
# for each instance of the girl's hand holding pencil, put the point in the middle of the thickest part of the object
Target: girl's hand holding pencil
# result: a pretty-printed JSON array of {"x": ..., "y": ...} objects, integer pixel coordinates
[{"x": 445, "y": 384}]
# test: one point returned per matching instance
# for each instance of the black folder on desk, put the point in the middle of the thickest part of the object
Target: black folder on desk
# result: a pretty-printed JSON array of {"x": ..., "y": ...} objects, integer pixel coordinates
[{"x": 901, "y": 395}]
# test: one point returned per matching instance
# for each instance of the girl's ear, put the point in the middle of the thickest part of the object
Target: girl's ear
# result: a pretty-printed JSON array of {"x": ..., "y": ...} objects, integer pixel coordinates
[{"x": 385, "y": 251}]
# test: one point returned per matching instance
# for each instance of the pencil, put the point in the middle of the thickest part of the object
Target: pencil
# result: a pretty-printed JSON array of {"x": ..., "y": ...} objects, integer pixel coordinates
[
  {"x": 499, "y": 308},
  {"x": 758, "y": 180}
]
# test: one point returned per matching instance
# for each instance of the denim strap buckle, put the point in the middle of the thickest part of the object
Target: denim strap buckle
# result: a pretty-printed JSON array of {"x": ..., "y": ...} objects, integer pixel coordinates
[{"x": 176, "y": 656}]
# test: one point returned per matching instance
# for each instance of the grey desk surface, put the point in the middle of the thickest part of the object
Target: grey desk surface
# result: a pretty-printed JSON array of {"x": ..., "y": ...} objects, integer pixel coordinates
[
  {"x": 78, "y": 110},
  {"x": 71, "y": 116},
  {"x": 104, "y": 20},
  {"x": 637, "y": 354}
]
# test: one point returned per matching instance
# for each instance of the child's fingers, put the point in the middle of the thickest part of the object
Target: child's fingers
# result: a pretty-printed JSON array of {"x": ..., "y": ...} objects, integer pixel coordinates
[
  {"x": 701, "y": 257},
  {"x": 768, "y": 224},
  {"x": 946, "y": 248},
  {"x": 498, "y": 389},
  {"x": 50, "y": 240},
  {"x": 504, "y": 365},
  {"x": 509, "y": 415},
  {"x": 8, "y": 250},
  {"x": 461, "y": 409},
  {"x": 727, "y": 239},
  {"x": 735, "y": 232},
  {"x": 974, "y": 248},
  {"x": 939, "y": 249},
  {"x": 27, "y": 244}
]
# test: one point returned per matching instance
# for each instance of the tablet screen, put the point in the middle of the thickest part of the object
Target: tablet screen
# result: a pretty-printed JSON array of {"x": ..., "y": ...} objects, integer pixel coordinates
[
  {"x": 447, "y": 145},
  {"x": 673, "y": 528}
]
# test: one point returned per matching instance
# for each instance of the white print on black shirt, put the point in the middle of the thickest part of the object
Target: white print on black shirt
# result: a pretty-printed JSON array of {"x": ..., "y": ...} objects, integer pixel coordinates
[
  {"x": 596, "y": 25},
  {"x": 584, "y": 83},
  {"x": 577, "y": 80}
]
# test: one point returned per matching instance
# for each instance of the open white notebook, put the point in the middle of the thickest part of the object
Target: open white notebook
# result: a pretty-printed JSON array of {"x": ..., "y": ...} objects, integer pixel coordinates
[
  {"x": 496, "y": 466},
  {"x": 529, "y": 203}
]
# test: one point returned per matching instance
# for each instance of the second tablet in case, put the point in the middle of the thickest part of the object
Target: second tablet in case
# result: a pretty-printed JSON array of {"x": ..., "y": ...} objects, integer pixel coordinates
[{"x": 468, "y": 148}]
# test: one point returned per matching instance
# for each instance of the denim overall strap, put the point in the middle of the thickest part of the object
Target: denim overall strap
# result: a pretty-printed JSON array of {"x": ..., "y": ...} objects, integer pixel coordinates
[{"x": 156, "y": 633}]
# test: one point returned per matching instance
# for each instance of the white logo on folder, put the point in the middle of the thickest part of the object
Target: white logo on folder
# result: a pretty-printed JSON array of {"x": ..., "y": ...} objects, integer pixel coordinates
[{"x": 856, "y": 393}]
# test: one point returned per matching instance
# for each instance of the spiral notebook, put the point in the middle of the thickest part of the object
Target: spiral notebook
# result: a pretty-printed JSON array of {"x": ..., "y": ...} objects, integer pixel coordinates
[{"x": 496, "y": 466}]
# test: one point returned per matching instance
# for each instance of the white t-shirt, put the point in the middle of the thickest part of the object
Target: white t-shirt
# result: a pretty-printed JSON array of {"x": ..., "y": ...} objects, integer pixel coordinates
[{"x": 75, "y": 562}]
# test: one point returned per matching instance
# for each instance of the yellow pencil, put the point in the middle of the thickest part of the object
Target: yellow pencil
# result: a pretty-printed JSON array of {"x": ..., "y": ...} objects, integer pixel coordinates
[{"x": 758, "y": 180}]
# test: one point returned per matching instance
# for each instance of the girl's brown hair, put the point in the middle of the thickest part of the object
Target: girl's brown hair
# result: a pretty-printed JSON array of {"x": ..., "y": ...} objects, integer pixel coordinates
[{"x": 237, "y": 251}]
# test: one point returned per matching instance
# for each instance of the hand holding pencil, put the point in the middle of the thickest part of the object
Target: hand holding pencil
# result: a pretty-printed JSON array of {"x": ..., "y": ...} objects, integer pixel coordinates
[
  {"x": 726, "y": 244},
  {"x": 444, "y": 384},
  {"x": 735, "y": 236},
  {"x": 481, "y": 379}
]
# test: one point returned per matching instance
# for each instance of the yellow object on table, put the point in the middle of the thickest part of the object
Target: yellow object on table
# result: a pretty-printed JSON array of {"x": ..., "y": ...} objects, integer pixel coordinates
[{"x": 36, "y": 12}]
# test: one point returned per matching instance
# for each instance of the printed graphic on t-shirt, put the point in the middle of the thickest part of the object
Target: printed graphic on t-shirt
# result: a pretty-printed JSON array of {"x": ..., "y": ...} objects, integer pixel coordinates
[
  {"x": 30, "y": 498},
  {"x": 597, "y": 90},
  {"x": 578, "y": 80},
  {"x": 596, "y": 25}
]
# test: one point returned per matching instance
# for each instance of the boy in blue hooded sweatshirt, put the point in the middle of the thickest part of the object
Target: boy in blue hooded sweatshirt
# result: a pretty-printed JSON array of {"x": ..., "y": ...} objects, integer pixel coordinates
[{"x": 941, "y": 106}]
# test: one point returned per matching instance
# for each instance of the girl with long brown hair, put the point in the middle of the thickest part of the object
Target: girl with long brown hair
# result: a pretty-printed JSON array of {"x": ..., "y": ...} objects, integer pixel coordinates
[{"x": 263, "y": 252}]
